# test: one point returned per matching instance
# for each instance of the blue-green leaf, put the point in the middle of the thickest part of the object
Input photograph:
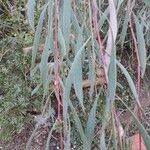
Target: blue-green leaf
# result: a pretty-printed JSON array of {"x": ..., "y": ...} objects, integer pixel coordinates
[
  {"x": 141, "y": 128},
  {"x": 38, "y": 35},
  {"x": 66, "y": 20},
  {"x": 112, "y": 78},
  {"x": 141, "y": 46},
  {"x": 147, "y": 2},
  {"x": 62, "y": 43},
  {"x": 30, "y": 12},
  {"x": 130, "y": 81},
  {"x": 90, "y": 125},
  {"x": 76, "y": 74}
]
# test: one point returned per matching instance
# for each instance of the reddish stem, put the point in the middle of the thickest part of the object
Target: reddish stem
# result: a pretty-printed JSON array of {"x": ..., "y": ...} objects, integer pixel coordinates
[
  {"x": 57, "y": 68},
  {"x": 98, "y": 37}
]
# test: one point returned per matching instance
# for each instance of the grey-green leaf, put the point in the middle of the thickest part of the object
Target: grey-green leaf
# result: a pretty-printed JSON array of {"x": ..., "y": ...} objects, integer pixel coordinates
[
  {"x": 102, "y": 145},
  {"x": 124, "y": 30},
  {"x": 141, "y": 128},
  {"x": 130, "y": 81},
  {"x": 30, "y": 12},
  {"x": 141, "y": 45},
  {"x": 86, "y": 145},
  {"x": 112, "y": 75},
  {"x": 66, "y": 20},
  {"x": 38, "y": 35},
  {"x": 147, "y": 2},
  {"x": 62, "y": 43},
  {"x": 90, "y": 125},
  {"x": 76, "y": 73},
  {"x": 36, "y": 89}
]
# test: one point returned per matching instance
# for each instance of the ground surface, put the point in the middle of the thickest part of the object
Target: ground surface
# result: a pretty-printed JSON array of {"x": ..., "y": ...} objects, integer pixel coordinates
[{"x": 18, "y": 141}]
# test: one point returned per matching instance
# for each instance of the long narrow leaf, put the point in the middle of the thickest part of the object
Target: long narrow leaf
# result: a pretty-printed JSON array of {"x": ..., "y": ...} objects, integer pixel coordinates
[
  {"x": 90, "y": 125},
  {"x": 38, "y": 35},
  {"x": 124, "y": 29},
  {"x": 86, "y": 145},
  {"x": 62, "y": 43},
  {"x": 30, "y": 12},
  {"x": 141, "y": 46},
  {"x": 49, "y": 136},
  {"x": 76, "y": 74},
  {"x": 130, "y": 81},
  {"x": 112, "y": 75},
  {"x": 66, "y": 20},
  {"x": 112, "y": 34},
  {"x": 147, "y": 2},
  {"x": 141, "y": 128},
  {"x": 102, "y": 145},
  {"x": 44, "y": 68}
]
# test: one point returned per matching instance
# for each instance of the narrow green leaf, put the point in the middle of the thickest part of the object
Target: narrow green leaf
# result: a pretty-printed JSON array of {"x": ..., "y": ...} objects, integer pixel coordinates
[
  {"x": 44, "y": 67},
  {"x": 103, "y": 17},
  {"x": 49, "y": 136},
  {"x": 119, "y": 4},
  {"x": 86, "y": 145},
  {"x": 141, "y": 45},
  {"x": 91, "y": 75},
  {"x": 141, "y": 128},
  {"x": 79, "y": 40},
  {"x": 31, "y": 137},
  {"x": 147, "y": 2},
  {"x": 90, "y": 125},
  {"x": 66, "y": 20},
  {"x": 130, "y": 81},
  {"x": 102, "y": 145},
  {"x": 107, "y": 116},
  {"x": 36, "y": 89},
  {"x": 112, "y": 77},
  {"x": 114, "y": 133},
  {"x": 75, "y": 24},
  {"x": 30, "y": 12},
  {"x": 66, "y": 94},
  {"x": 76, "y": 71},
  {"x": 76, "y": 74},
  {"x": 66, "y": 98},
  {"x": 124, "y": 29},
  {"x": 38, "y": 35},
  {"x": 62, "y": 43}
]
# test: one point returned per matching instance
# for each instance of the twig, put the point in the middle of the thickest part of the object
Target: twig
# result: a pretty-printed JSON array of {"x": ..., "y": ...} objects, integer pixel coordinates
[
  {"x": 57, "y": 68},
  {"x": 28, "y": 50}
]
